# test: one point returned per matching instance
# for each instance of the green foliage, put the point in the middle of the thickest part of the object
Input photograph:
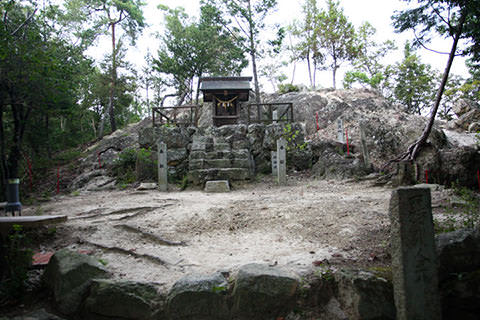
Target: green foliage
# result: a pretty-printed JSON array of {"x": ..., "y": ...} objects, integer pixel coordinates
[
  {"x": 246, "y": 21},
  {"x": 338, "y": 39},
  {"x": 466, "y": 216},
  {"x": 291, "y": 136},
  {"x": 18, "y": 259},
  {"x": 414, "y": 83},
  {"x": 287, "y": 87},
  {"x": 123, "y": 167},
  {"x": 191, "y": 49},
  {"x": 368, "y": 70}
]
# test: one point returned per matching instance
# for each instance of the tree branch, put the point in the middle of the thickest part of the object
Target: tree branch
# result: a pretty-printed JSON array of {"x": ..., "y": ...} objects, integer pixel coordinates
[{"x": 24, "y": 22}]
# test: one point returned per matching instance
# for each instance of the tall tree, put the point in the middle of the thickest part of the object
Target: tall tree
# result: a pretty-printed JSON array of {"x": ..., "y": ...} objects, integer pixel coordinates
[
  {"x": 248, "y": 21},
  {"x": 38, "y": 77},
  {"x": 109, "y": 15},
  {"x": 414, "y": 82},
  {"x": 457, "y": 19},
  {"x": 191, "y": 49},
  {"x": 337, "y": 37},
  {"x": 307, "y": 31},
  {"x": 368, "y": 69}
]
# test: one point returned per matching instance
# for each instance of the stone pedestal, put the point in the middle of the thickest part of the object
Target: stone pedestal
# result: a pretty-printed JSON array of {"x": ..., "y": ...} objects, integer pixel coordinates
[
  {"x": 282, "y": 161},
  {"x": 162, "y": 166},
  {"x": 414, "y": 259}
]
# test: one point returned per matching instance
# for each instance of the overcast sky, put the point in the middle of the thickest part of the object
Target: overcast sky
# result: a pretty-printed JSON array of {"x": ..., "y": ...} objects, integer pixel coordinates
[{"x": 377, "y": 12}]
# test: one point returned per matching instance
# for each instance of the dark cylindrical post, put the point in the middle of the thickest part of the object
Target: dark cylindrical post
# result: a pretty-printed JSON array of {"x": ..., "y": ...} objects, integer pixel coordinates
[{"x": 13, "y": 197}]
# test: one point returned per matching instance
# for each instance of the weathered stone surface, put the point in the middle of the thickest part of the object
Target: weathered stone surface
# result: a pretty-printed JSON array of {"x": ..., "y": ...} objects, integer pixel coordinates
[
  {"x": 263, "y": 292},
  {"x": 459, "y": 166},
  {"x": 405, "y": 175},
  {"x": 458, "y": 251},
  {"x": 68, "y": 275},
  {"x": 332, "y": 162},
  {"x": 174, "y": 137},
  {"x": 199, "y": 297},
  {"x": 35, "y": 315},
  {"x": 108, "y": 299},
  {"x": 200, "y": 176},
  {"x": 100, "y": 183},
  {"x": 176, "y": 156},
  {"x": 414, "y": 259},
  {"x": 147, "y": 186},
  {"x": 217, "y": 186},
  {"x": 255, "y": 135},
  {"x": 84, "y": 178},
  {"x": 363, "y": 295},
  {"x": 460, "y": 296}
]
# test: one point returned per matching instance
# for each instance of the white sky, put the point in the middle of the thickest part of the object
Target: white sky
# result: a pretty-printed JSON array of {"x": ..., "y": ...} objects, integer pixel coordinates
[{"x": 376, "y": 12}]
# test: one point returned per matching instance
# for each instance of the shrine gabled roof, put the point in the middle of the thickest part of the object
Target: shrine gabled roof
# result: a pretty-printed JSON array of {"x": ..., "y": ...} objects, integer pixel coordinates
[{"x": 225, "y": 83}]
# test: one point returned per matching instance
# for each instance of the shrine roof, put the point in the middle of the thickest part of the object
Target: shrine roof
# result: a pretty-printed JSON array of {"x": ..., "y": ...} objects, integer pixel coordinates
[{"x": 225, "y": 83}]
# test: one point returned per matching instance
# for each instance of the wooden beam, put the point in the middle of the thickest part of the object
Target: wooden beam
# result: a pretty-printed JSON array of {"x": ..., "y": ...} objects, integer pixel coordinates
[{"x": 6, "y": 223}]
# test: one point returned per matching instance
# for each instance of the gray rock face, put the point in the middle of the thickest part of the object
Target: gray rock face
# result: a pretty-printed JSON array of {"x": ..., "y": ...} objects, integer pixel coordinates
[
  {"x": 333, "y": 162},
  {"x": 263, "y": 292},
  {"x": 197, "y": 297},
  {"x": 458, "y": 251},
  {"x": 364, "y": 296},
  {"x": 459, "y": 256},
  {"x": 468, "y": 112},
  {"x": 109, "y": 299},
  {"x": 68, "y": 276}
]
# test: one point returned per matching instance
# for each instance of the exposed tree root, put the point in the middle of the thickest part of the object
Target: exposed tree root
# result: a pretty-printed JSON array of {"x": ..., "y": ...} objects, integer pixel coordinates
[
  {"x": 119, "y": 250},
  {"x": 150, "y": 236}
]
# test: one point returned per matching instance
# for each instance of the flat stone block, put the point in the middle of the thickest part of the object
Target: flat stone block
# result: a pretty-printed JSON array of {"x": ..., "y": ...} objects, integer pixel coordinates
[
  {"x": 217, "y": 186},
  {"x": 218, "y": 163},
  {"x": 222, "y": 147},
  {"x": 241, "y": 163},
  {"x": 196, "y": 164},
  {"x": 196, "y": 155},
  {"x": 240, "y": 153}
]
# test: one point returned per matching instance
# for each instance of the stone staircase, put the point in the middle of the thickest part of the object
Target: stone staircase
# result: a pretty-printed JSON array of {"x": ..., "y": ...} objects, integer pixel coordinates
[{"x": 219, "y": 158}]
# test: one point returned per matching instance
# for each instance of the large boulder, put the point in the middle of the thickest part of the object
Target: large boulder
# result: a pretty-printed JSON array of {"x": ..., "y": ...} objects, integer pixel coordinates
[
  {"x": 458, "y": 251},
  {"x": 459, "y": 273},
  {"x": 174, "y": 137},
  {"x": 333, "y": 161},
  {"x": 108, "y": 299},
  {"x": 199, "y": 297},
  {"x": 263, "y": 292},
  {"x": 362, "y": 295},
  {"x": 68, "y": 275},
  {"x": 468, "y": 113}
]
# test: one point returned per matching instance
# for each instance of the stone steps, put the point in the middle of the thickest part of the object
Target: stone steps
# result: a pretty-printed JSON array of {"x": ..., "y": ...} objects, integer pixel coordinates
[{"x": 215, "y": 158}]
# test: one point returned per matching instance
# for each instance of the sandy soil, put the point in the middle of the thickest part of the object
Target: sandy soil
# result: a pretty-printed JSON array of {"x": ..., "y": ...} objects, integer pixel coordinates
[{"x": 159, "y": 237}]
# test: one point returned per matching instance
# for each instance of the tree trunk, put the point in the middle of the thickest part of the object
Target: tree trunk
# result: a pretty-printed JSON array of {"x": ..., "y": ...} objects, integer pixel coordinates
[
  {"x": 312, "y": 85},
  {"x": 253, "y": 54},
  {"x": 415, "y": 148},
  {"x": 426, "y": 132},
  {"x": 111, "y": 111},
  {"x": 3, "y": 158}
]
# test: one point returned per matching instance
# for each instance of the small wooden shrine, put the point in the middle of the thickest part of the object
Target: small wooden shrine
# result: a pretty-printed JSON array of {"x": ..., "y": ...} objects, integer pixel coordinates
[{"x": 226, "y": 94}]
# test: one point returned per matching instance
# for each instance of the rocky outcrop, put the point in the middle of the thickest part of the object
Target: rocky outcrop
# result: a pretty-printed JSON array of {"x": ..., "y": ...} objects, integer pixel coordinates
[
  {"x": 362, "y": 295},
  {"x": 388, "y": 129},
  {"x": 459, "y": 273},
  {"x": 263, "y": 292},
  {"x": 68, "y": 276},
  {"x": 468, "y": 113},
  {"x": 199, "y": 297},
  {"x": 108, "y": 299}
]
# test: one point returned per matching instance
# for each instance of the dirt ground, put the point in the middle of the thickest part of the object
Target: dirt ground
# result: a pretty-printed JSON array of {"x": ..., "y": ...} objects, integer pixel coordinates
[{"x": 159, "y": 237}]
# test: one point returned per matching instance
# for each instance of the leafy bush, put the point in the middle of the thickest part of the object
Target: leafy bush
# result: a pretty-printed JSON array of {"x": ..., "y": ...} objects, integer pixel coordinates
[
  {"x": 123, "y": 167},
  {"x": 18, "y": 259},
  {"x": 468, "y": 215},
  {"x": 287, "y": 87}
]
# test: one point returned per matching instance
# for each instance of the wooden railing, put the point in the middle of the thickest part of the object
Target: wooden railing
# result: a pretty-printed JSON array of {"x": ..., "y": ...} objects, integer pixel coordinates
[
  {"x": 263, "y": 112},
  {"x": 186, "y": 115}
]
